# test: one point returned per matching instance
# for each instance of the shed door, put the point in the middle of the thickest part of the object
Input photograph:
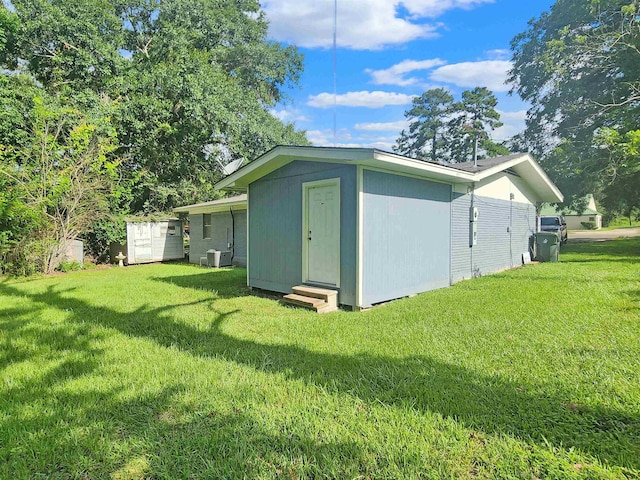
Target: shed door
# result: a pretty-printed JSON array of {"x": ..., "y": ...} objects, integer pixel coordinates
[
  {"x": 323, "y": 232},
  {"x": 142, "y": 242}
]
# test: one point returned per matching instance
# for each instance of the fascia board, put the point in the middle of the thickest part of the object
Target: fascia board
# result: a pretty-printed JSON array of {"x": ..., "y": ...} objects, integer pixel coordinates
[
  {"x": 418, "y": 168},
  {"x": 280, "y": 156},
  {"x": 532, "y": 173},
  {"x": 224, "y": 207}
]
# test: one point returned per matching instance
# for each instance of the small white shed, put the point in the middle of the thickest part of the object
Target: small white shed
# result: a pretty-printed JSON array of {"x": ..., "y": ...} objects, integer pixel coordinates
[{"x": 154, "y": 241}]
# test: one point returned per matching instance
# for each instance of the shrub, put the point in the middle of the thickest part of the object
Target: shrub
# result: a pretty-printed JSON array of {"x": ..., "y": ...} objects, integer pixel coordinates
[
  {"x": 589, "y": 225},
  {"x": 67, "y": 266}
]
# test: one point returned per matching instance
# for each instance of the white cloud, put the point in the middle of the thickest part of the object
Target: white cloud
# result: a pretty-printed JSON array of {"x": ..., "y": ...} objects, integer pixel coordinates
[
  {"x": 487, "y": 73},
  {"x": 396, "y": 126},
  {"x": 289, "y": 116},
  {"x": 363, "y": 98},
  {"x": 323, "y": 138},
  {"x": 362, "y": 24},
  {"x": 395, "y": 75},
  {"x": 514, "y": 123},
  {"x": 498, "y": 54}
]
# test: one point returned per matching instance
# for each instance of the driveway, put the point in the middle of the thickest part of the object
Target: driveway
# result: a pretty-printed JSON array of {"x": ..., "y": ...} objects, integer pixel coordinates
[{"x": 602, "y": 235}]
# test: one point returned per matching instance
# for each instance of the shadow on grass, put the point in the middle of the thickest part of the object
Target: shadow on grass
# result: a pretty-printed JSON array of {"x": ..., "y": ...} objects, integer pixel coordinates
[
  {"x": 622, "y": 250},
  {"x": 51, "y": 428},
  {"x": 490, "y": 403},
  {"x": 219, "y": 282}
]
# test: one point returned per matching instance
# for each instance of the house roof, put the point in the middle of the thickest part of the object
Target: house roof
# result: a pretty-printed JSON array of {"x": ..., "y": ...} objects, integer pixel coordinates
[
  {"x": 485, "y": 163},
  {"x": 521, "y": 164},
  {"x": 221, "y": 205},
  {"x": 590, "y": 209}
]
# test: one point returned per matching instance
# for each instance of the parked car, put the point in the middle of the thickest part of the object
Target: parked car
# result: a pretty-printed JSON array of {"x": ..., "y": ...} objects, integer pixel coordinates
[{"x": 555, "y": 223}]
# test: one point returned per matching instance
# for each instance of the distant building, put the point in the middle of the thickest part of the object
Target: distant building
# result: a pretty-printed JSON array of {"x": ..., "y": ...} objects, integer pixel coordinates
[{"x": 576, "y": 220}]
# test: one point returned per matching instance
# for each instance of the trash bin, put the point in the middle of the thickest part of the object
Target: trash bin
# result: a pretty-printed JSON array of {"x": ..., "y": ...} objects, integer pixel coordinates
[{"x": 547, "y": 246}]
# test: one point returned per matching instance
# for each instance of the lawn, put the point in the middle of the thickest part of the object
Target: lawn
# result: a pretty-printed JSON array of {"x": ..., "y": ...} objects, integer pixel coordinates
[{"x": 176, "y": 371}]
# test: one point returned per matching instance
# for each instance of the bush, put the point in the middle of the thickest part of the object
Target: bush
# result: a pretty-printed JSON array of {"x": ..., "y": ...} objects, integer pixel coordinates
[
  {"x": 589, "y": 225},
  {"x": 67, "y": 266},
  {"x": 103, "y": 233}
]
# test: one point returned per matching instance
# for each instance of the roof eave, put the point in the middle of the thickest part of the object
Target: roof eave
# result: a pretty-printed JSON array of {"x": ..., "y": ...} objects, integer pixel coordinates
[
  {"x": 282, "y": 155},
  {"x": 544, "y": 188},
  {"x": 192, "y": 209}
]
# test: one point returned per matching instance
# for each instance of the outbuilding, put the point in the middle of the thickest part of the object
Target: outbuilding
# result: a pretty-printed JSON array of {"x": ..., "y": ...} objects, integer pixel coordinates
[
  {"x": 151, "y": 240},
  {"x": 218, "y": 225},
  {"x": 376, "y": 226},
  {"x": 586, "y": 219}
]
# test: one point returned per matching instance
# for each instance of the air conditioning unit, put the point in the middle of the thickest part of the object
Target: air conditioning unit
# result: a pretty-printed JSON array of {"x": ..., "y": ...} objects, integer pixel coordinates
[{"x": 218, "y": 258}]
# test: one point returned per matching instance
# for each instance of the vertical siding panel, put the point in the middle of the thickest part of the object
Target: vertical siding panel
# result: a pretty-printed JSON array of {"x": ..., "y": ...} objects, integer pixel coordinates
[
  {"x": 275, "y": 226},
  {"x": 504, "y": 229},
  {"x": 221, "y": 236},
  {"x": 197, "y": 244},
  {"x": 240, "y": 245},
  {"x": 406, "y": 236}
]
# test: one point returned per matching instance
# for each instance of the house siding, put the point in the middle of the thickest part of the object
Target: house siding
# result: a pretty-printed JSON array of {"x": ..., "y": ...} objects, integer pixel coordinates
[
  {"x": 406, "y": 236},
  {"x": 504, "y": 232},
  {"x": 221, "y": 237},
  {"x": 275, "y": 226}
]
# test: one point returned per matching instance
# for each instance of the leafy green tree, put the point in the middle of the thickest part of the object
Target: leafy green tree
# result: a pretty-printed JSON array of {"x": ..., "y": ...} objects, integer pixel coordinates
[
  {"x": 623, "y": 196},
  {"x": 9, "y": 28},
  {"x": 57, "y": 171},
  {"x": 183, "y": 75},
  {"x": 425, "y": 138},
  {"x": 442, "y": 130},
  {"x": 71, "y": 46},
  {"x": 205, "y": 76},
  {"x": 579, "y": 67},
  {"x": 475, "y": 115}
]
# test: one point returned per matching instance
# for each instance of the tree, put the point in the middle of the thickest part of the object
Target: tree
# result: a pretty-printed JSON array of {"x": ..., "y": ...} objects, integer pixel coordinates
[
  {"x": 579, "y": 67},
  {"x": 444, "y": 131},
  {"x": 204, "y": 76},
  {"x": 426, "y": 135},
  {"x": 57, "y": 174},
  {"x": 183, "y": 75},
  {"x": 475, "y": 116}
]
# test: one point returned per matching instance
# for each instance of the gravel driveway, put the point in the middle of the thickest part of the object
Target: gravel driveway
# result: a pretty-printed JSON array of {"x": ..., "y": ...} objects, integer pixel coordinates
[{"x": 601, "y": 235}]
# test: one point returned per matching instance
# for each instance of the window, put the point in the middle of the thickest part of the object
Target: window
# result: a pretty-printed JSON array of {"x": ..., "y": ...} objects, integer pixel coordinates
[
  {"x": 592, "y": 219},
  {"x": 206, "y": 225},
  {"x": 171, "y": 230}
]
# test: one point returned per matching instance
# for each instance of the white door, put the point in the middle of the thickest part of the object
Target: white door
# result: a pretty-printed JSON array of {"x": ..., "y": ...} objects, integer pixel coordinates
[
  {"x": 142, "y": 243},
  {"x": 323, "y": 232}
]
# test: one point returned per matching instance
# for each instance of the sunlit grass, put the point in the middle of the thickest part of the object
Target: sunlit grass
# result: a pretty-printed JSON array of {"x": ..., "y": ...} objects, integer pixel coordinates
[{"x": 175, "y": 371}]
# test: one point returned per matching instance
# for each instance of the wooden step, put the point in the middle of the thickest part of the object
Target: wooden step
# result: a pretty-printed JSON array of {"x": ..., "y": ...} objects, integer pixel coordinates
[
  {"x": 312, "y": 303},
  {"x": 329, "y": 296}
]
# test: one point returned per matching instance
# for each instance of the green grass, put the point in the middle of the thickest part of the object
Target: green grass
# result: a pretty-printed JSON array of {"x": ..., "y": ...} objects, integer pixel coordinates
[
  {"x": 621, "y": 223},
  {"x": 174, "y": 371}
]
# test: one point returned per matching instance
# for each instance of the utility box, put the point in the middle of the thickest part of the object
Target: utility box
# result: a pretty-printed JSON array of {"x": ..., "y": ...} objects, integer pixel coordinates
[
  {"x": 473, "y": 226},
  {"x": 218, "y": 258},
  {"x": 547, "y": 246}
]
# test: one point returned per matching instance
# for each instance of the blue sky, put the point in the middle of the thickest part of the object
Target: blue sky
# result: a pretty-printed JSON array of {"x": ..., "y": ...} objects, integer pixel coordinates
[{"x": 388, "y": 52}]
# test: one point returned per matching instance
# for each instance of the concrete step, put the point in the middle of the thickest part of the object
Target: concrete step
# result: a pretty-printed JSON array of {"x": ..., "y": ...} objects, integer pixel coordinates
[
  {"x": 329, "y": 296},
  {"x": 312, "y": 303}
]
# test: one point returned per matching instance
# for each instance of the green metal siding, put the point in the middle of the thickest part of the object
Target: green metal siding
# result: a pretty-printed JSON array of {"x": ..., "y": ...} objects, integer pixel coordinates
[
  {"x": 406, "y": 236},
  {"x": 275, "y": 226}
]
